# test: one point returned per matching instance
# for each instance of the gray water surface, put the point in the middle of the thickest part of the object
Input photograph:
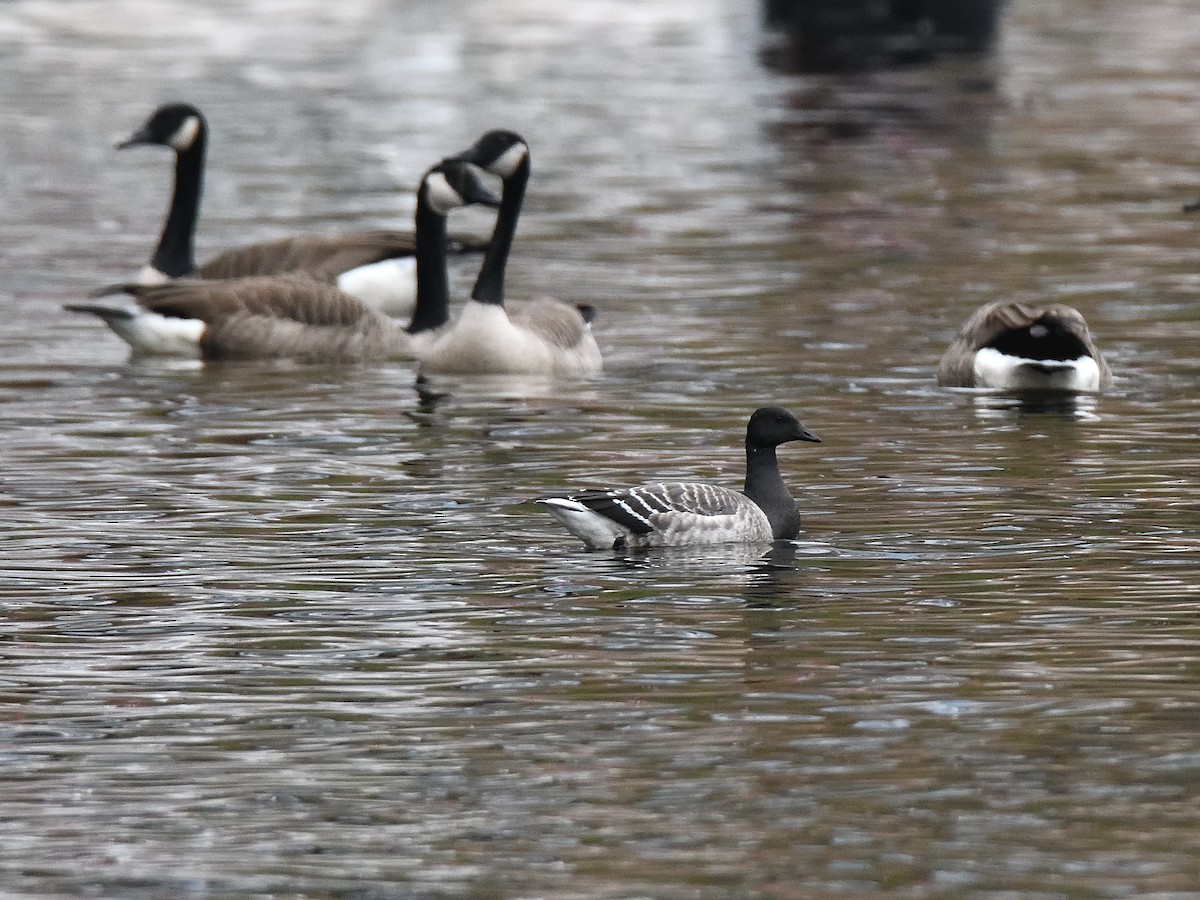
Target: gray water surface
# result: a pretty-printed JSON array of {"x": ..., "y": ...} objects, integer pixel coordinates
[{"x": 298, "y": 631}]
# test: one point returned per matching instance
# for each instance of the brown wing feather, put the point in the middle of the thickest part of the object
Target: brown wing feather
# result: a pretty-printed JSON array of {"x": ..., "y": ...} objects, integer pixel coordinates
[
  {"x": 555, "y": 322},
  {"x": 284, "y": 317},
  {"x": 297, "y": 298},
  {"x": 321, "y": 257}
]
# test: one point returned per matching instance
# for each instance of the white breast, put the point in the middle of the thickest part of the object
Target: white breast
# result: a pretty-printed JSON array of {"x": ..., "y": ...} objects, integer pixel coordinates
[{"x": 483, "y": 340}]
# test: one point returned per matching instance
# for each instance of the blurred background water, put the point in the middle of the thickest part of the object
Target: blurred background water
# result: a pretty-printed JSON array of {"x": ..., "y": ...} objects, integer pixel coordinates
[{"x": 288, "y": 630}]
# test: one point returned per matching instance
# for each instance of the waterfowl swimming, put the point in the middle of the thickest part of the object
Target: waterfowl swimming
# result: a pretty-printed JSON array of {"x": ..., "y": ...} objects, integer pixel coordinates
[
  {"x": 292, "y": 316},
  {"x": 671, "y": 514},
  {"x": 537, "y": 337},
  {"x": 1015, "y": 346},
  {"x": 375, "y": 266}
]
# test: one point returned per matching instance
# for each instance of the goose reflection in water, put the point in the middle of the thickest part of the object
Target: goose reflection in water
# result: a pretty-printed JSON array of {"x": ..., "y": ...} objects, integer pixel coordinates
[{"x": 1002, "y": 406}]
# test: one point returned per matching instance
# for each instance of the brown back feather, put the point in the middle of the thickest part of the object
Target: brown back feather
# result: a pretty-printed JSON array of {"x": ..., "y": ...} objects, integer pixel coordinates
[
  {"x": 555, "y": 322},
  {"x": 284, "y": 317},
  {"x": 297, "y": 298},
  {"x": 321, "y": 257}
]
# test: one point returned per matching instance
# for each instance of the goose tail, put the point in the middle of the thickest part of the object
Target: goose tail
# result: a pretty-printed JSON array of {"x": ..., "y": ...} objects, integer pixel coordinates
[
  {"x": 109, "y": 290},
  {"x": 106, "y": 311},
  {"x": 595, "y": 530}
]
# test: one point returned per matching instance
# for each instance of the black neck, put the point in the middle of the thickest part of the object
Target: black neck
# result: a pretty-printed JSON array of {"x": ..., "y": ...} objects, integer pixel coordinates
[
  {"x": 764, "y": 485},
  {"x": 174, "y": 254},
  {"x": 433, "y": 289},
  {"x": 489, "y": 286}
]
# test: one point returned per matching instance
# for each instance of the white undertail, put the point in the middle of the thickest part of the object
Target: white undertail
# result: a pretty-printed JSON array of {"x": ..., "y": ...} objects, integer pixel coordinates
[{"x": 1000, "y": 371}]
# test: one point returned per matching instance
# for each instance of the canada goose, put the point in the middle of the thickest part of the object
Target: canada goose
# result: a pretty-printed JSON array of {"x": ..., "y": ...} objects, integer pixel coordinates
[
  {"x": 670, "y": 514},
  {"x": 292, "y": 316},
  {"x": 1014, "y": 346},
  {"x": 375, "y": 266},
  {"x": 538, "y": 337}
]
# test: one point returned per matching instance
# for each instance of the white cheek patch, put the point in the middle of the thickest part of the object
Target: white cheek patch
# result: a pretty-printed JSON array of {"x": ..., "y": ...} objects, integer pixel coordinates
[
  {"x": 506, "y": 163},
  {"x": 185, "y": 134},
  {"x": 149, "y": 275},
  {"x": 440, "y": 196}
]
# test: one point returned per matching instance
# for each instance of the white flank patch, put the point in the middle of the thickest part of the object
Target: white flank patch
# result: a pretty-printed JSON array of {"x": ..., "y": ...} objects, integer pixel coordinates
[
  {"x": 442, "y": 197},
  {"x": 506, "y": 163},
  {"x": 390, "y": 285},
  {"x": 598, "y": 532},
  {"x": 150, "y": 333},
  {"x": 185, "y": 134},
  {"x": 994, "y": 369}
]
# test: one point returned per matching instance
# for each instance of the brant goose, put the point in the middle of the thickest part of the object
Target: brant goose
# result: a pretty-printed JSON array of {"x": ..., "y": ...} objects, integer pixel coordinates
[{"x": 669, "y": 514}]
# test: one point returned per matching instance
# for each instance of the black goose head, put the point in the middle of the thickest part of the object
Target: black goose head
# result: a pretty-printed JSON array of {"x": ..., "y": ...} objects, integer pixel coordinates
[
  {"x": 499, "y": 152},
  {"x": 451, "y": 184},
  {"x": 504, "y": 154},
  {"x": 774, "y": 425},
  {"x": 175, "y": 125}
]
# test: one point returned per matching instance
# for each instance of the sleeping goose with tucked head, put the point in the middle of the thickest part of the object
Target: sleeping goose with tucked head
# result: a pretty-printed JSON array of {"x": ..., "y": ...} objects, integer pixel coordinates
[
  {"x": 673, "y": 514},
  {"x": 537, "y": 337},
  {"x": 375, "y": 266},
  {"x": 1018, "y": 347},
  {"x": 292, "y": 316}
]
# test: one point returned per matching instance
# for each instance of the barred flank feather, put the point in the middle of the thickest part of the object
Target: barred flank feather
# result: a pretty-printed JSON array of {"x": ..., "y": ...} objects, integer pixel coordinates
[
  {"x": 678, "y": 513},
  {"x": 662, "y": 515}
]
